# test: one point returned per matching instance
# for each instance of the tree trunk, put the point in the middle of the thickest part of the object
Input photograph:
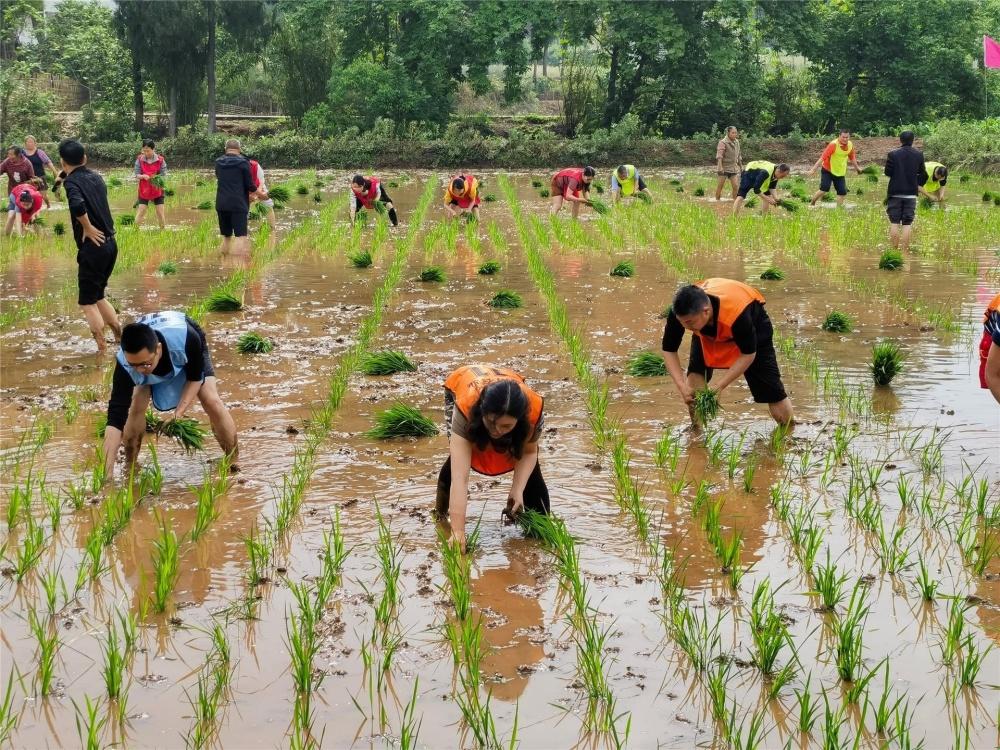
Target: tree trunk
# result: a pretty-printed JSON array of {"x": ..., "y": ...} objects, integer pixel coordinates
[
  {"x": 545, "y": 61},
  {"x": 172, "y": 122},
  {"x": 211, "y": 66},
  {"x": 137, "y": 98},
  {"x": 611, "y": 104},
  {"x": 534, "y": 72}
]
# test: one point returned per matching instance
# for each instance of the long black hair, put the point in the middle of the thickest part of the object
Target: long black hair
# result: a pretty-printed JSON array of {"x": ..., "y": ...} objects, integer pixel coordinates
[{"x": 501, "y": 398}]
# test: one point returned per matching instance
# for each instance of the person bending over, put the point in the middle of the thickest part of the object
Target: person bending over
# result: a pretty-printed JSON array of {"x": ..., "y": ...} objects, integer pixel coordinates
[
  {"x": 23, "y": 206},
  {"x": 365, "y": 191},
  {"x": 462, "y": 195},
  {"x": 989, "y": 349},
  {"x": 937, "y": 178},
  {"x": 760, "y": 176},
  {"x": 573, "y": 185},
  {"x": 626, "y": 181}
]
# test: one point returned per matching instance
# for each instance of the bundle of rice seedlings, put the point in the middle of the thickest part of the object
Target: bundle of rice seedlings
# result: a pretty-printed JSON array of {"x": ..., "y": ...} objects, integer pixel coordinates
[
  {"x": 223, "y": 301},
  {"x": 258, "y": 212},
  {"x": 401, "y": 420},
  {"x": 361, "y": 215},
  {"x": 680, "y": 189},
  {"x": 432, "y": 273},
  {"x": 987, "y": 196},
  {"x": 39, "y": 221},
  {"x": 489, "y": 268},
  {"x": 926, "y": 202},
  {"x": 59, "y": 229},
  {"x": 706, "y": 405},
  {"x": 675, "y": 181},
  {"x": 996, "y": 199},
  {"x": 281, "y": 193},
  {"x": 302, "y": 189},
  {"x": 361, "y": 259},
  {"x": 167, "y": 268},
  {"x": 837, "y": 322},
  {"x": 964, "y": 178},
  {"x": 788, "y": 205},
  {"x": 186, "y": 432},
  {"x": 625, "y": 269},
  {"x": 772, "y": 273},
  {"x": 647, "y": 198},
  {"x": 205, "y": 206},
  {"x": 380, "y": 207},
  {"x": 873, "y": 178},
  {"x": 126, "y": 220},
  {"x": 799, "y": 193},
  {"x": 859, "y": 191},
  {"x": 318, "y": 183},
  {"x": 317, "y": 197},
  {"x": 699, "y": 191},
  {"x": 387, "y": 362},
  {"x": 544, "y": 192},
  {"x": 536, "y": 183},
  {"x": 489, "y": 198},
  {"x": 887, "y": 361},
  {"x": 254, "y": 343},
  {"x": 827, "y": 198},
  {"x": 168, "y": 191},
  {"x": 871, "y": 169},
  {"x": 598, "y": 187},
  {"x": 665, "y": 313},
  {"x": 199, "y": 183},
  {"x": 890, "y": 260},
  {"x": 157, "y": 181},
  {"x": 470, "y": 218},
  {"x": 600, "y": 206},
  {"x": 393, "y": 183},
  {"x": 506, "y": 299},
  {"x": 645, "y": 365},
  {"x": 751, "y": 202}
]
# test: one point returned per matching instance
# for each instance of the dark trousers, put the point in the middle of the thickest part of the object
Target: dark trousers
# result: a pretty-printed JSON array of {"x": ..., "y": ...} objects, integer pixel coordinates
[{"x": 536, "y": 494}]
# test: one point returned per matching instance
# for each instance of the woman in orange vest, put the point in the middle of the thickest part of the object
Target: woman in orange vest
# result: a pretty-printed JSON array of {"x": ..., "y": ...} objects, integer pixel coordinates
[
  {"x": 731, "y": 332},
  {"x": 494, "y": 421},
  {"x": 462, "y": 195},
  {"x": 573, "y": 185},
  {"x": 989, "y": 349}
]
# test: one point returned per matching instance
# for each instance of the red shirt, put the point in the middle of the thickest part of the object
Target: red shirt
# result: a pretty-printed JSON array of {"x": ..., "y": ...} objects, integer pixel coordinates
[
  {"x": 18, "y": 171},
  {"x": 27, "y": 214},
  {"x": 568, "y": 181}
]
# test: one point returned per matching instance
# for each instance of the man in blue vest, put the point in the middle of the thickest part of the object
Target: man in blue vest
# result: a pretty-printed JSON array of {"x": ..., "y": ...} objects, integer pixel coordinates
[{"x": 164, "y": 358}]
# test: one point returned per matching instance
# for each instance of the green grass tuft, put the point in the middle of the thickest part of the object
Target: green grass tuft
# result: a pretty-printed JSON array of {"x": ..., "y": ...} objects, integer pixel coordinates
[
  {"x": 837, "y": 322},
  {"x": 59, "y": 229},
  {"x": 361, "y": 259},
  {"x": 706, "y": 405},
  {"x": 646, "y": 365},
  {"x": 890, "y": 260},
  {"x": 167, "y": 268},
  {"x": 599, "y": 206},
  {"x": 773, "y": 273},
  {"x": 536, "y": 183},
  {"x": 254, "y": 343},
  {"x": 126, "y": 220},
  {"x": 887, "y": 361},
  {"x": 432, "y": 273},
  {"x": 223, "y": 301},
  {"x": 489, "y": 198},
  {"x": 489, "y": 268},
  {"x": 205, "y": 206},
  {"x": 625, "y": 269},
  {"x": 700, "y": 191},
  {"x": 544, "y": 192},
  {"x": 302, "y": 189},
  {"x": 506, "y": 299},
  {"x": 387, "y": 362},
  {"x": 401, "y": 420}
]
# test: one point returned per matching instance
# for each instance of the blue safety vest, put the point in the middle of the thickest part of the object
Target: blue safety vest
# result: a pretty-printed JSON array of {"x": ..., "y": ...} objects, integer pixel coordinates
[{"x": 166, "y": 389}]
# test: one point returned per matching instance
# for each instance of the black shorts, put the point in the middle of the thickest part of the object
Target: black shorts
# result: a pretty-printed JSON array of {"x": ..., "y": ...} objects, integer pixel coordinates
[
  {"x": 828, "y": 178},
  {"x": 154, "y": 201},
  {"x": 208, "y": 370},
  {"x": 746, "y": 185},
  {"x": 95, "y": 264},
  {"x": 763, "y": 375},
  {"x": 901, "y": 210},
  {"x": 232, "y": 223}
]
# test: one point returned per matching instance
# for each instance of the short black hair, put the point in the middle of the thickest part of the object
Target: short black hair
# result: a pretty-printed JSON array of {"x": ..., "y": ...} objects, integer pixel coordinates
[
  {"x": 458, "y": 184},
  {"x": 782, "y": 168},
  {"x": 906, "y": 137},
  {"x": 72, "y": 152},
  {"x": 16, "y": 149},
  {"x": 138, "y": 336},
  {"x": 25, "y": 197},
  {"x": 148, "y": 143},
  {"x": 943, "y": 170},
  {"x": 845, "y": 130},
  {"x": 589, "y": 171},
  {"x": 690, "y": 299}
]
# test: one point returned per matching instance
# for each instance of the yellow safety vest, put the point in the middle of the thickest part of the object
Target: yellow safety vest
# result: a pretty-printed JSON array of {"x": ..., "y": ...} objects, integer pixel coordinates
[
  {"x": 838, "y": 160},
  {"x": 627, "y": 185},
  {"x": 767, "y": 166},
  {"x": 931, "y": 166}
]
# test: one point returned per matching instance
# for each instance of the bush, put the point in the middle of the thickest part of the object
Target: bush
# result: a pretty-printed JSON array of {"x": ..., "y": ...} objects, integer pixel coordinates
[{"x": 965, "y": 145}]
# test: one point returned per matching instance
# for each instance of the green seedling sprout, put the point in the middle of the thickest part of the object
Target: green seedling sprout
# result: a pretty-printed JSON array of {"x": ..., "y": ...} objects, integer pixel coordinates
[{"x": 401, "y": 420}]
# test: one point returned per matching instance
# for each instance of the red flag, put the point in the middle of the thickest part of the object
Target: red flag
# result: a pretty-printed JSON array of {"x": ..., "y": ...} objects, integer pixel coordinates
[{"x": 991, "y": 52}]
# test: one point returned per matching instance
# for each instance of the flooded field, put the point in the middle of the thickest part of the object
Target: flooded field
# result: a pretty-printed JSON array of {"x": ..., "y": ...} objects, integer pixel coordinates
[{"x": 836, "y": 586}]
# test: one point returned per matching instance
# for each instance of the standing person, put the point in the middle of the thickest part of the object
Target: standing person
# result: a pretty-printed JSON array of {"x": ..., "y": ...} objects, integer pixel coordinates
[
  {"x": 17, "y": 167},
  {"x": 937, "y": 178},
  {"x": 732, "y": 332},
  {"x": 234, "y": 187},
  {"x": 365, "y": 191},
  {"x": 22, "y": 206},
  {"x": 728, "y": 162},
  {"x": 573, "y": 185},
  {"x": 164, "y": 357},
  {"x": 626, "y": 181},
  {"x": 149, "y": 164},
  {"x": 760, "y": 176},
  {"x": 39, "y": 161},
  {"x": 989, "y": 349},
  {"x": 833, "y": 165},
  {"x": 904, "y": 167},
  {"x": 462, "y": 195},
  {"x": 494, "y": 421},
  {"x": 94, "y": 233}
]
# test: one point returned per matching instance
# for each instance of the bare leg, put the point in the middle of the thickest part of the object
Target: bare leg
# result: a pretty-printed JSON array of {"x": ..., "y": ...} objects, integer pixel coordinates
[
  {"x": 718, "y": 187},
  {"x": 781, "y": 411},
  {"x": 226, "y": 246},
  {"x": 894, "y": 236},
  {"x": 840, "y": 200},
  {"x": 557, "y": 201},
  {"x": 576, "y": 208},
  {"x": 272, "y": 219},
  {"x": 95, "y": 320},
  {"x": 161, "y": 216},
  {"x": 816, "y": 196},
  {"x": 905, "y": 239},
  {"x": 110, "y": 317},
  {"x": 221, "y": 420},
  {"x": 140, "y": 214},
  {"x": 737, "y": 204},
  {"x": 11, "y": 215},
  {"x": 735, "y": 185},
  {"x": 135, "y": 425}
]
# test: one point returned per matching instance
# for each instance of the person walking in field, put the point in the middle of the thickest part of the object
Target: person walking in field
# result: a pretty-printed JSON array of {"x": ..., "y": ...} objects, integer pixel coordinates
[
  {"x": 731, "y": 331},
  {"x": 94, "y": 234},
  {"x": 626, "y": 181},
  {"x": 40, "y": 161},
  {"x": 572, "y": 185},
  {"x": 761, "y": 177},
  {"x": 22, "y": 206},
  {"x": 937, "y": 178},
  {"x": 989, "y": 349},
  {"x": 164, "y": 358},
  {"x": 905, "y": 169},
  {"x": 832, "y": 164},
  {"x": 365, "y": 191},
  {"x": 234, "y": 187},
  {"x": 461, "y": 195},
  {"x": 494, "y": 422},
  {"x": 150, "y": 165},
  {"x": 17, "y": 167},
  {"x": 728, "y": 162}
]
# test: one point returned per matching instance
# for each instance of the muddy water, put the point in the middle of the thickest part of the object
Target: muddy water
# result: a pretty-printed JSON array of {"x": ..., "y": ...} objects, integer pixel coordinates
[{"x": 311, "y": 305}]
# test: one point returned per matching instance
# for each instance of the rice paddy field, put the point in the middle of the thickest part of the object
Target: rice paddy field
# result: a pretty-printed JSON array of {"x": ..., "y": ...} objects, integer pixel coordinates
[{"x": 832, "y": 586}]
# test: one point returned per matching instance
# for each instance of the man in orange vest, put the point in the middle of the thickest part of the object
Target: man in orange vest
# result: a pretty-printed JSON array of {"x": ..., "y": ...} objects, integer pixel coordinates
[
  {"x": 732, "y": 332},
  {"x": 833, "y": 162},
  {"x": 989, "y": 349},
  {"x": 462, "y": 195},
  {"x": 494, "y": 421}
]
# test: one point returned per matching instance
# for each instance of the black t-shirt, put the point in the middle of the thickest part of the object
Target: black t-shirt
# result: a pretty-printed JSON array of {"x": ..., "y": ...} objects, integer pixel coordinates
[
  {"x": 904, "y": 167},
  {"x": 122, "y": 384},
  {"x": 234, "y": 183},
  {"x": 87, "y": 194},
  {"x": 750, "y": 327}
]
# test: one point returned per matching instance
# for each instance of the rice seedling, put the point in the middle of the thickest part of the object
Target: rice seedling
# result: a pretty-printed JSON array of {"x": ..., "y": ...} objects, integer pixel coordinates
[
  {"x": 970, "y": 662},
  {"x": 221, "y": 300},
  {"x": 890, "y": 260},
  {"x": 205, "y": 206},
  {"x": 996, "y": 199},
  {"x": 206, "y": 510},
  {"x": 187, "y": 432},
  {"x": 645, "y": 365},
  {"x": 715, "y": 683},
  {"x": 386, "y": 362},
  {"x": 361, "y": 259},
  {"x": 302, "y": 649},
  {"x": 871, "y": 169},
  {"x": 837, "y": 322},
  {"x": 645, "y": 197},
  {"x": 29, "y": 552},
  {"x": 887, "y": 361},
  {"x": 666, "y": 452},
  {"x": 253, "y": 343},
  {"x": 433, "y": 273},
  {"x": 752, "y": 202},
  {"x": 749, "y": 469},
  {"x": 489, "y": 268},
  {"x": 410, "y": 728},
  {"x": 506, "y": 299},
  {"x": 126, "y": 220},
  {"x": 833, "y": 724},
  {"x": 115, "y": 661},
  {"x": 58, "y": 229},
  {"x": 47, "y": 639},
  {"x": 90, "y": 727},
  {"x": 987, "y": 551},
  {"x": 790, "y": 206},
  {"x": 401, "y": 420},
  {"x": 859, "y": 687},
  {"x": 536, "y": 183},
  {"x": 625, "y": 269},
  {"x": 165, "y": 565},
  {"x": 754, "y": 736},
  {"x": 259, "y": 556},
  {"x": 873, "y": 178},
  {"x": 699, "y": 192},
  {"x": 926, "y": 203},
  {"x": 767, "y": 629},
  {"x": 808, "y": 707},
  {"x": 706, "y": 406},
  {"x": 828, "y": 582},
  {"x": 771, "y": 273},
  {"x": 167, "y": 268},
  {"x": 317, "y": 197},
  {"x": 258, "y": 211},
  {"x": 848, "y": 632}
]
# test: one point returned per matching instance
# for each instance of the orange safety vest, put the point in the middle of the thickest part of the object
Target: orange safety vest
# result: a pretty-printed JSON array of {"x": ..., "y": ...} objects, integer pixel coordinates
[
  {"x": 466, "y": 384},
  {"x": 720, "y": 351},
  {"x": 987, "y": 340},
  {"x": 467, "y": 199}
]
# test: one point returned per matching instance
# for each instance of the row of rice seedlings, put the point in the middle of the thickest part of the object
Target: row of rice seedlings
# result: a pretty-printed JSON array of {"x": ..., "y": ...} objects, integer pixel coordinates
[
  {"x": 166, "y": 565},
  {"x": 21, "y": 457},
  {"x": 211, "y": 690},
  {"x": 206, "y": 511}
]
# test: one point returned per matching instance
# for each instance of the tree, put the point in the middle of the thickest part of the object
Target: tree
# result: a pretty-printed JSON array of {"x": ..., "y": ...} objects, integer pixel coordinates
[
  {"x": 247, "y": 23},
  {"x": 303, "y": 60},
  {"x": 129, "y": 26}
]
